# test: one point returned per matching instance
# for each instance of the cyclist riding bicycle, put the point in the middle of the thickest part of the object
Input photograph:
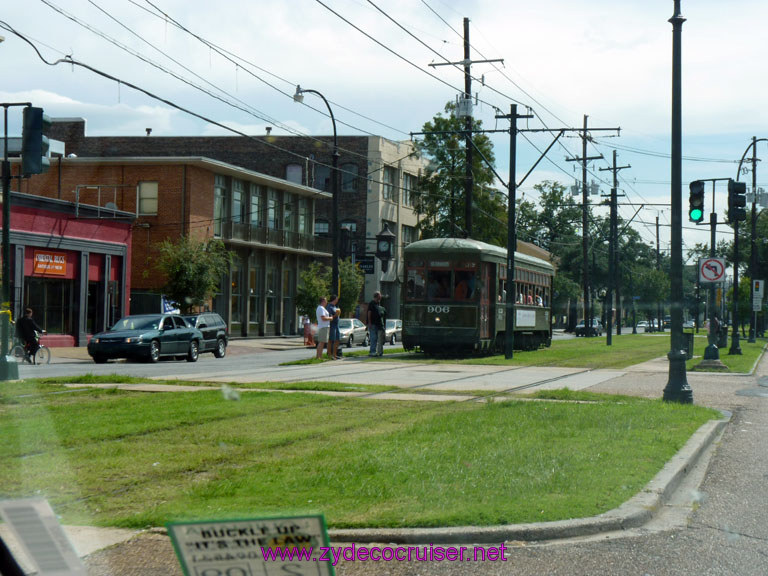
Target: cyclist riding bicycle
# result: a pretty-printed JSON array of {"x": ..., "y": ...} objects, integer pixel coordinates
[{"x": 26, "y": 329}]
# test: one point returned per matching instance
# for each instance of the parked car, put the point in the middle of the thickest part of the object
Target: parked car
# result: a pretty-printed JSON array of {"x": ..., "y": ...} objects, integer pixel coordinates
[
  {"x": 643, "y": 324},
  {"x": 353, "y": 331},
  {"x": 595, "y": 330},
  {"x": 689, "y": 324},
  {"x": 147, "y": 337},
  {"x": 214, "y": 330},
  {"x": 393, "y": 331}
]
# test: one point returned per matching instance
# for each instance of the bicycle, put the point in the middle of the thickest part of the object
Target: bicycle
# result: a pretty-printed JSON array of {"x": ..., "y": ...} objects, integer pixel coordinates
[{"x": 20, "y": 352}]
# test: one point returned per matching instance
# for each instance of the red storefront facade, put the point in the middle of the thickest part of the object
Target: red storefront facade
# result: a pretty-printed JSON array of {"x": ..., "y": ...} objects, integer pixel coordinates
[{"x": 70, "y": 263}]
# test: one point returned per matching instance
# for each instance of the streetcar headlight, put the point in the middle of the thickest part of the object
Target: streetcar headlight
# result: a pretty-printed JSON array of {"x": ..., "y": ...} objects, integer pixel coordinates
[{"x": 437, "y": 319}]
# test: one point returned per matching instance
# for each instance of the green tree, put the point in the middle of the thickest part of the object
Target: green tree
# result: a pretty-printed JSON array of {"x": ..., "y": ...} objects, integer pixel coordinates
[
  {"x": 193, "y": 270},
  {"x": 441, "y": 194},
  {"x": 315, "y": 283},
  {"x": 743, "y": 302},
  {"x": 651, "y": 286}
]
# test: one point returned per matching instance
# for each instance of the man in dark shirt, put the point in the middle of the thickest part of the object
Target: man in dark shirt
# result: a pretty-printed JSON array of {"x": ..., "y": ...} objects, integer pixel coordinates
[
  {"x": 26, "y": 329},
  {"x": 377, "y": 317}
]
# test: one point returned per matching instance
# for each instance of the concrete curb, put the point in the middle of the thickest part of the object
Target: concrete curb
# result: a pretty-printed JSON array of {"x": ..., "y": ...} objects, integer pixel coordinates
[{"x": 632, "y": 514}]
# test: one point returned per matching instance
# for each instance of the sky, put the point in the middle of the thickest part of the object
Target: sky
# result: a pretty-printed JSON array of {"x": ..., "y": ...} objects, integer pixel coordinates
[{"x": 237, "y": 62}]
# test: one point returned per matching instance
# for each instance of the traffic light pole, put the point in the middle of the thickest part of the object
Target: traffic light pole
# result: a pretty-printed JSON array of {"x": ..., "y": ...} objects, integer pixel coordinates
[
  {"x": 735, "y": 346},
  {"x": 9, "y": 370}
]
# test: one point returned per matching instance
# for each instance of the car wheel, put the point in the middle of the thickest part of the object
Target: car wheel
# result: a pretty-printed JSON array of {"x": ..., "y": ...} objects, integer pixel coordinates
[
  {"x": 154, "y": 351},
  {"x": 221, "y": 348},
  {"x": 367, "y": 341},
  {"x": 100, "y": 359},
  {"x": 351, "y": 341},
  {"x": 194, "y": 351}
]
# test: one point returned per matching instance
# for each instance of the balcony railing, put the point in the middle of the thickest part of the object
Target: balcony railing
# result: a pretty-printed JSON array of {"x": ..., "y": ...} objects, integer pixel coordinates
[{"x": 270, "y": 237}]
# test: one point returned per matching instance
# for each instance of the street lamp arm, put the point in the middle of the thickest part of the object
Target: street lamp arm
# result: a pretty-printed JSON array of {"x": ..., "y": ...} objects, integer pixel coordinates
[
  {"x": 743, "y": 156},
  {"x": 300, "y": 91}
]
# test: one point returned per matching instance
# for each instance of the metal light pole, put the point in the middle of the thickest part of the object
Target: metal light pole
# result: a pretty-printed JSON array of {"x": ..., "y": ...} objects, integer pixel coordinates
[
  {"x": 9, "y": 370},
  {"x": 334, "y": 190},
  {"x": 753, "y": 244},
  {"x": 677, "y": 388}
]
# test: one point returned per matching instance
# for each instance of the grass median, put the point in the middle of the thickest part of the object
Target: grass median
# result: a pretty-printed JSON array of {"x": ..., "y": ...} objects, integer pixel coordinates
[
  {"x": 116, "y": 458},
  {"x": 594, "y": 353}
]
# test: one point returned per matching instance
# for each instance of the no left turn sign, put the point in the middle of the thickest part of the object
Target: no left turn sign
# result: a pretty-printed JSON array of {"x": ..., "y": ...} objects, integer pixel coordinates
[{"x": 711, "y": 270}]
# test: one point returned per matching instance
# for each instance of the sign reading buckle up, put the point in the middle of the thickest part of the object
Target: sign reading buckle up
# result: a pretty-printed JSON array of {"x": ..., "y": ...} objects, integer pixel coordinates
[{"x": 54, "y": 263}]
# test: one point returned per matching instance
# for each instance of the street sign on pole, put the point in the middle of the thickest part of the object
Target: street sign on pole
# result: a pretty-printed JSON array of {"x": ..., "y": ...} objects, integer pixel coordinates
[{"x": 711, "y": 270}]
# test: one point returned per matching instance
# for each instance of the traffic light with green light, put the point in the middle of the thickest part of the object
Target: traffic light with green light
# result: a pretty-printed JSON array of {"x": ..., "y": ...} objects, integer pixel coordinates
[
  {"x": 696, "y": 201},
  {"x": 34, "y": 141},
  {"x": 737, "y": 200}
]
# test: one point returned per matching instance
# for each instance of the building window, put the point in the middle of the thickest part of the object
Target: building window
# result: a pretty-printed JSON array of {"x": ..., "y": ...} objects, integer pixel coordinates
[
  {"x": 272, "y": 209},
  {"x": 272, "y": 278},
  {"x": 350, "y": 225},
  {"x": 389, "y": 183},
  {"x": 409, "y": 189},
  {"x": 322, "y": 180},
  {"x": 235, "y": 308},
  {"x": 219, "y": 197},
  {"x": 321, "y": 227},
  {"x": 147, "y": 199},
  {"x": 349, "y": 177},
  {"x": 255, "y": 215},
  {"x": 287, "y": 211},
  {"x": 410, "y": 234},
  {"x": 304, "y": 216},
  {"x": 254, "y": 299},
  {"x": 293, "y": 173},
  {"x": 237, "y": 201}
]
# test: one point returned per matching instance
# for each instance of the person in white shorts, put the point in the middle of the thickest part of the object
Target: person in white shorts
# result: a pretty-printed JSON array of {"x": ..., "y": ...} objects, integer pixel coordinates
[{"x": 323, "y": 326}]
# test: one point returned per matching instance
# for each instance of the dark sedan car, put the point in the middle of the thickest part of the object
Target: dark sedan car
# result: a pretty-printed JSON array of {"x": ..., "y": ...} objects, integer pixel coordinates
[
  {"x": 214, "y": 329},
  {"x": 147, "y": 337},
  {"x": 596, "y": 330}
]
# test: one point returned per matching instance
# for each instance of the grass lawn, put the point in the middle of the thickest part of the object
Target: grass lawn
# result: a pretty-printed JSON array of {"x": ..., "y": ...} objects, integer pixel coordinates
[
  {"x": 594, "y": 353},
  {"x": 114, "y": 458}
]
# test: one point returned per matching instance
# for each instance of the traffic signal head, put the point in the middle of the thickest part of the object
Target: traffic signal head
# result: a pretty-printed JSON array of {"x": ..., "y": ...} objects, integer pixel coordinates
[
  {"x": 696, "y": 201},
  {"x": 737, "y": 201},
  {"x": 34, "y": 141}
]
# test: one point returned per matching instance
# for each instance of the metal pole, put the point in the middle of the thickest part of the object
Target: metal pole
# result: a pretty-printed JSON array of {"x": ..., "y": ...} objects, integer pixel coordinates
[
  {"x": 585, "y": 232},
  {"x": 9, "y": 370},
  {"x": 509, "y": 328},
  {"x": 677, "y": 388},
  {"x": 468, "y": 183},
  {"x": 735, "y": 346},
  {"x": 712, "y": 352},
  {"x": 753, "y": 244}
]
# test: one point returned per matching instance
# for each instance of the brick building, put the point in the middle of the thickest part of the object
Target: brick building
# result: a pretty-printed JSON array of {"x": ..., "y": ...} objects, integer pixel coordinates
[
  {"x": 70, "y": 265},
  {"x": 378, "y": 177},
  {"x": 266, "y": 223}
]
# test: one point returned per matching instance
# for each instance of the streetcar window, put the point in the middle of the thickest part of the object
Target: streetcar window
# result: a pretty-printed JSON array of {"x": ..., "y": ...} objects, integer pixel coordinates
[
  {"x": 415, "y": 284},
  {"x": 438, "y": 284},
  {"x": 464, "y": 286}
]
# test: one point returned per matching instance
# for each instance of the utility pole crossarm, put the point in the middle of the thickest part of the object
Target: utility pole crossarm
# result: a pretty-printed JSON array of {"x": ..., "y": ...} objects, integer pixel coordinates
[{"x": 465, "y": 62}]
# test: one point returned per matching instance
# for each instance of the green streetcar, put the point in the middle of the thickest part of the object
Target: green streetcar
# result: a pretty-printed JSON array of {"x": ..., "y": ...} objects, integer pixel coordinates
[{"x": 455, "y": 297}]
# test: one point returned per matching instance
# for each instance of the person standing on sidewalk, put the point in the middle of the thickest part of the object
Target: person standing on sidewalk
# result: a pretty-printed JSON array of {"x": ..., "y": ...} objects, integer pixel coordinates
[
  {"x": 377, "y": 318},
  {"x": 323, "y": 326},
  {"x": 333, "y": 334}
]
